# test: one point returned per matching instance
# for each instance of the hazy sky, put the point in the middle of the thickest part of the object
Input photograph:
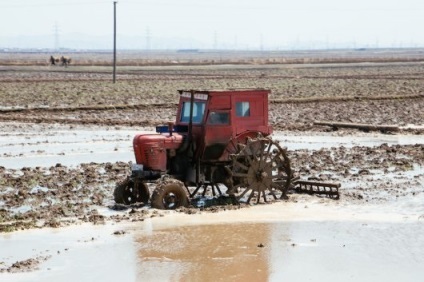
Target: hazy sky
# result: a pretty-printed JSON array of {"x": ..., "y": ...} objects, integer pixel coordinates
[{"x": 250, "y": 23}]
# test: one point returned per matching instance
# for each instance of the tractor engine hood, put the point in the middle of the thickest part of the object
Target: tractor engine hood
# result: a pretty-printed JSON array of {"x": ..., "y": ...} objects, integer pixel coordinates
[{"x": 151, "y": 149}]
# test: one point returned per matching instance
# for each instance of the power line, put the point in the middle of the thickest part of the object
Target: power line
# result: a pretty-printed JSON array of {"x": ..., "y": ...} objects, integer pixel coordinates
[{"x": 114, "y": 41}]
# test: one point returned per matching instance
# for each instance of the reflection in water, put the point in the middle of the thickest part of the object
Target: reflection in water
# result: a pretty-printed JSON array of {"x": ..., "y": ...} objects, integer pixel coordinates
[{"x": 206, "y": 253}]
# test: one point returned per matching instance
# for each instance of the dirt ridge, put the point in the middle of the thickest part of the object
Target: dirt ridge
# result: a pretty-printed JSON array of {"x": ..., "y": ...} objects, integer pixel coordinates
[{"x": 173, "y": 105}]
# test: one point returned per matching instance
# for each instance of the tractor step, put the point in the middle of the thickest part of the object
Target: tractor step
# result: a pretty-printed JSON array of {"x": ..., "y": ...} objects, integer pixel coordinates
[{"x": 319, "y": 188}]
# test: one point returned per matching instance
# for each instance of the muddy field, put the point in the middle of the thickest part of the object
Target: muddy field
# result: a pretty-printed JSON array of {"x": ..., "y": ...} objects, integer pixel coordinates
[
  {"x": 66, "y": 142},
  {"x": 368, "y": 93}
]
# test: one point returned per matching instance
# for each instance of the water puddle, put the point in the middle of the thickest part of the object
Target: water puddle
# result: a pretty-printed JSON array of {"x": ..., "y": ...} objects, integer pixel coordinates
[
  {"x": 280, "y": 250},
  {"x": 77, "y": 253},
  {"x": 233, "y": 252},
  {"x": 32, "y": 146},
  {"x": 317, "y": 142},
  {"x": 282, "y": 241}
]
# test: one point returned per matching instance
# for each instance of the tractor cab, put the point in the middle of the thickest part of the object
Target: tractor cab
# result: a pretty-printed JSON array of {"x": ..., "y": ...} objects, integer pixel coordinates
[
  {"x": 216, "y": 117},
  {"x": 208, "y": 125}
]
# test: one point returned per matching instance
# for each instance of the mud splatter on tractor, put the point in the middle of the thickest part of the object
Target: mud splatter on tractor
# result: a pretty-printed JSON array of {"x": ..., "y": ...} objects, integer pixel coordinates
[{"x": 220, "y": 140}]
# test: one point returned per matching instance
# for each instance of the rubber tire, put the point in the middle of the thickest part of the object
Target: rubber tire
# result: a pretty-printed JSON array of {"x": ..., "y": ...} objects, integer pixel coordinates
[
  {"x": 166, "y": 188},
  {"x": 121, "y": 196}
]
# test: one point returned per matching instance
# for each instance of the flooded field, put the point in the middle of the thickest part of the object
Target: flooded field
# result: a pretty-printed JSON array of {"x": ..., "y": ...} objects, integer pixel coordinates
[
  {"x": 63, "y": 144},
  {"x": 353, "y": 239},
  {"x": 66, "y": 141},
  {"x": 263, "y": 243},
  {"x": 22, "y": 145}
]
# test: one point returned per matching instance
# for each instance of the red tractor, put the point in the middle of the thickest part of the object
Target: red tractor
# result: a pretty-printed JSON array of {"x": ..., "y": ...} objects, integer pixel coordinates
[{"x": 220, "y": 139}]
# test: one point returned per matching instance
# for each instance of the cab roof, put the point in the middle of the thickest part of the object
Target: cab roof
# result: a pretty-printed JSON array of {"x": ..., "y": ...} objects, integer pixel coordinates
[{"x": 226, "y": 91}]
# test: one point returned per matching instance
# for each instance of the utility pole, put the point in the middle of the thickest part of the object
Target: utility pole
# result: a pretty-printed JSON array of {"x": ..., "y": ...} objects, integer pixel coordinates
[
  {"x": 148, "y": 37},
  {"x": 114, "y": 41},
  {"x": 56, "y": 37},
  {"x": 261, "y": 40}
]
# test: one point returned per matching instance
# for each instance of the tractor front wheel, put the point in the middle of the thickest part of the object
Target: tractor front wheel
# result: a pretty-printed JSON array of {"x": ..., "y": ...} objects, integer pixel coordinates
[
  {"x": 128, "y": 192},
  {"x": 169, "y": 194}
]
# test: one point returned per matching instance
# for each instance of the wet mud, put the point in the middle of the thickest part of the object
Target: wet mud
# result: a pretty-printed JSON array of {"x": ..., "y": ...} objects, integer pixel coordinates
[
  {"x": 59, "y": 166},
  {"x": 58, "y": 195}
]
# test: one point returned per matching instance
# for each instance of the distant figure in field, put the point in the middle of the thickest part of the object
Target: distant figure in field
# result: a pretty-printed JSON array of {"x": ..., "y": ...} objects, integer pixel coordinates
[
  {"x": 53, "y": 60},
  {"x": 65, "y": 61}
]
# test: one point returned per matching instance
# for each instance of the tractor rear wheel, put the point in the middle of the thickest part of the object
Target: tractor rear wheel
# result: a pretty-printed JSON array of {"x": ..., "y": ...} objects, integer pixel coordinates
[
  {"x": 127, "y": 192},
  {"x": 169, "y": 194},
  {"x": 260, "y": 168}
]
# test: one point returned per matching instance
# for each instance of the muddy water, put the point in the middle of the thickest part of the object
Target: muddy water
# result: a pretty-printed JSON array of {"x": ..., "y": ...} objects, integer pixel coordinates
[
  {"x": 206, "y": 253},
  {"x": 316, "y": 142},
  {"x": 278, "y": 242},
  {"x": 30, "y": 146},
  {"x": 284, "y": 242},
  {"x": 77, "y": 253},
  {"x": 198, "y": 253},
  {"x": 23, "y": 145},
  {"x": 295, "y": 251}
]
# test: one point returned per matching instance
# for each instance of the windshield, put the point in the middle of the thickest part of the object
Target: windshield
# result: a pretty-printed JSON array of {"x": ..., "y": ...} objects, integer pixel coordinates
[{"x": 198, "y": 112}]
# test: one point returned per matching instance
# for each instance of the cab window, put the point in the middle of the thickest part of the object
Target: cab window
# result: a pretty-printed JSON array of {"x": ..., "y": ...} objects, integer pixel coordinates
[
  {"x": 219, "y": 118},
  {"x": 242, "y": 109},
  {"x": 198, "y": 112}
]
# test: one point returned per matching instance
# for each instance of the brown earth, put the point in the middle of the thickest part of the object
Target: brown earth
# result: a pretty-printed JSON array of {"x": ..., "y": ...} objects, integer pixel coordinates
[
  {"x": 376, "y": 94},
  {"x": 57, "y": 196}
]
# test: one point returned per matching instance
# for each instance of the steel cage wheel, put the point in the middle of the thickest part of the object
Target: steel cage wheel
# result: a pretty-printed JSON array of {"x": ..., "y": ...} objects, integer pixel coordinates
[{"x": 260, "y": 168}]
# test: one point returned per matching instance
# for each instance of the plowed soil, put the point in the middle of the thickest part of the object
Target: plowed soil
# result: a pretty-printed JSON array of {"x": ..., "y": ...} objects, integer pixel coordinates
[
  {"x": 380, "y": 94},
  {"x": 143, "y": 97}
]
